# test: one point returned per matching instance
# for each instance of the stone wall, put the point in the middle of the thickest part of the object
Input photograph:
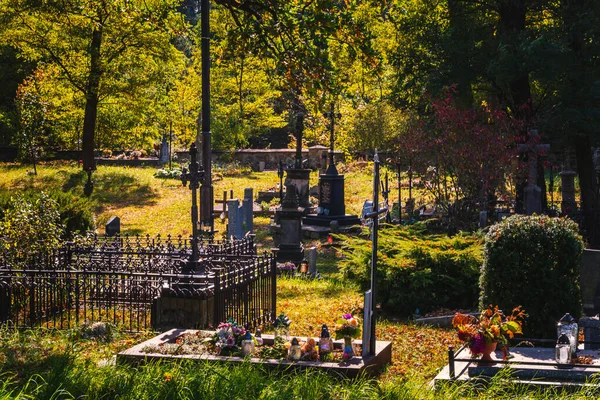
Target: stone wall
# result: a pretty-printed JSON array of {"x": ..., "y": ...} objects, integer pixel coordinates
[{"x": 259, "y": 159}]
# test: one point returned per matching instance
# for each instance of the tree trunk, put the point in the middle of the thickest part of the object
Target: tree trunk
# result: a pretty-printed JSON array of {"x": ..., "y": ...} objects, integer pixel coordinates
[
  {"x": 91, "y": 101},
  {"x": 511, "y": 27},
  {"x": 460, "y": 56}
]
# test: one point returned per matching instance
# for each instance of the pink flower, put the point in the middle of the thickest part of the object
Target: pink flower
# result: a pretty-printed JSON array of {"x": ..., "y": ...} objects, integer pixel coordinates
[
  {"x": 347, "y": 316},
  {"x": 230, "y": 341},
  {"x": 477, "y": 344}
]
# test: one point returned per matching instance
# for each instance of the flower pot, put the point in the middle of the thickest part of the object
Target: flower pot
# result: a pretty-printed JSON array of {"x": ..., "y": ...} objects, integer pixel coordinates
[
  {"x": 348, "y": 349},
  {"x": 486, "y": 357}
]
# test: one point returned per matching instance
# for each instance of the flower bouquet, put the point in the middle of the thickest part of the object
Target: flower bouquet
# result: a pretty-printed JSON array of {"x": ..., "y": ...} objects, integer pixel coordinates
[
  {"x": 287, "y": 268},
  {"x": 348, "y": 328},
  {"x": 227, "y": 340},
  {"x": 491, "y": 327},
  {"x": 282, "y": 325}
]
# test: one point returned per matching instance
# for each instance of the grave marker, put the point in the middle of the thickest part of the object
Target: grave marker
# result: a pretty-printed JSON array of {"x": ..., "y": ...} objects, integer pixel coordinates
[{"x": 532, "y": 194}]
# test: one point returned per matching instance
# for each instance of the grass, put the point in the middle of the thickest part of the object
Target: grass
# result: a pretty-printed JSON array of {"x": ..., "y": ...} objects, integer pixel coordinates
[{"x": 59, "y": 365}]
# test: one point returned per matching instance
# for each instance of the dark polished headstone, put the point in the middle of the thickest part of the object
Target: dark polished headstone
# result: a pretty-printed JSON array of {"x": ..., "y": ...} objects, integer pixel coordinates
[
  {"x": 113, "y": 226},
  {"x": 289, "y": 218}
]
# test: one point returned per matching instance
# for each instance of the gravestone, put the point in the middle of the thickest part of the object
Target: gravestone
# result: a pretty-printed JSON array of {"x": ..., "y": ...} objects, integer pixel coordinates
[
  {"x": 289, "y": 217},
  {"x": 299, "y": 177},
  {"x": 164, "y": 152},
  {"x": 483, "y": 218},
  {"x": 248, "y": 205},
  {"x": 532, "y": 194},
  {"x": 332, "y": 209},
  {"x": 591, "y": 332},
  {"x": 113, "y": 226},
  {"x": 312, "y": 261},
  {"x": 235, "y": 218},
  {"x": 568, "y": 205}
]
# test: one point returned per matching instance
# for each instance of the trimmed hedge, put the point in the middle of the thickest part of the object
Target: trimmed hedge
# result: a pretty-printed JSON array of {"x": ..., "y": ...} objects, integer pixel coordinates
[
  {"x": 533, "y": 261},
  {"x": 416, "y": 270}
]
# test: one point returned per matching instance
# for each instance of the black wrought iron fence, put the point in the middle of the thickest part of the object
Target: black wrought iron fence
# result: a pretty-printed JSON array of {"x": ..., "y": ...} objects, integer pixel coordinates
[
  {"x": 245, "y": 290},
  {"x": 117, "y": 280}
]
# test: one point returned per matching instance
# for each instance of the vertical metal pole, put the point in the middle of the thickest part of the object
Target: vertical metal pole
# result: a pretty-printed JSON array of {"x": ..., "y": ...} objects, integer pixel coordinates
[
  {"x": 399, "y": 194},
  {"x": 299, "y": 129},
  {"x": 170, "y": 143},
  {"x": 273, "y": 288},
  {"x": 374, "y": 251},
  {"x": 331, "y": 134},
  {"x": 451, "y": 371},
  {"x": 206, "y": 191}
]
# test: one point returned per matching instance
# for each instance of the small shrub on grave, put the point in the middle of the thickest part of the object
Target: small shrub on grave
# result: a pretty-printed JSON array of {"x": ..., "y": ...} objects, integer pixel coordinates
[
  {"x": 533, "y": 261},
  {"x": 416, "y": 270}
]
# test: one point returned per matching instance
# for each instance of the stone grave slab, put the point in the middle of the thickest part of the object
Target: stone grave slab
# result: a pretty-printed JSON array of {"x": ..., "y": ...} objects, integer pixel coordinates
[
  {"x": 369, "y": 365},
  {"x": 529, "y": 365}
]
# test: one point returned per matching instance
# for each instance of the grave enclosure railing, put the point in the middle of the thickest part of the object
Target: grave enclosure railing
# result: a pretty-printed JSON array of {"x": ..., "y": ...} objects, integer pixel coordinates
[{"x": 117, "y": 280}]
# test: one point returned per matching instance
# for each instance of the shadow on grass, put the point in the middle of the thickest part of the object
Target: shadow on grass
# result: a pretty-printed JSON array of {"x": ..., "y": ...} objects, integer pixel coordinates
[{"x": 115, "y": 188}]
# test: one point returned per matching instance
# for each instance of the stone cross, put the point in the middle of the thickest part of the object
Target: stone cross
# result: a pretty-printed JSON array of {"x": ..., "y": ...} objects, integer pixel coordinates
[{"x": 532, "y": 194}]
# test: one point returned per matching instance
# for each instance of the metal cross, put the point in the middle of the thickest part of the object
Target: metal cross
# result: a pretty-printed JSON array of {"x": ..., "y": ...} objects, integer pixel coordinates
[
  {"x": 374, "y": 215},
  {"x": 332, "y": 115},
  {"x": 194, "y": 176}
]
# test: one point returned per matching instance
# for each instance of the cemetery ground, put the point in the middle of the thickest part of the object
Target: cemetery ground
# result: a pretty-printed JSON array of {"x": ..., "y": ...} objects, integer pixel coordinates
[{"x": 66, "y": 364}]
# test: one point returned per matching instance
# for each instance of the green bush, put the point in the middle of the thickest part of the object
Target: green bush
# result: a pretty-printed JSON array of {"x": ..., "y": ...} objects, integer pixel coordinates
[
  {"x": 533, "y": 261},
  {"x": 416, "y": 270},
  {"x": 30, "y": 228},
  {"x": 75, "y": 212}
]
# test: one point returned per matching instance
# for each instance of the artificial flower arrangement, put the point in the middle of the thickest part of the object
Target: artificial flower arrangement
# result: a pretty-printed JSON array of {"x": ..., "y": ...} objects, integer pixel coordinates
[
  {"x": 282, "y": 325},
  {"x": 348, "y": 325},
  {"x": 287, "y": 268},
  {"x": 227, "y": 339},
  {"x": 492, "y": 326}
]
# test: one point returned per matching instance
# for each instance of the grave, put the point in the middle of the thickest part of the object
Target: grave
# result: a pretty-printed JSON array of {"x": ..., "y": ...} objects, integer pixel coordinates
[
  {"x": 298, "y": 176},
  {"x": 288, "y": 219},
  {"x": 532, "y": 193},
  {"x": 568, "y": 205},
  {"x": 113, "y": 226},
  {"x": 357, "y": 366},
  {"x": 535, "y": 366},
  {"x": 332, "y": 208},
  {"x": 240, "y": 216}
]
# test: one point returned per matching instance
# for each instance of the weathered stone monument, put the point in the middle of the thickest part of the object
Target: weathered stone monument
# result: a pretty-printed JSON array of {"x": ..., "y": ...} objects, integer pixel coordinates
[
  {"x": 164, "y": 152},
  {"x": 568, "y": 205},
  {"x": 299, "y": 177},
  {"x": 240, "y": 216},
  {"x": 289, "y": 218},
  {"x": 532, "y": 194},
  {"x": 332, "y": 209}
]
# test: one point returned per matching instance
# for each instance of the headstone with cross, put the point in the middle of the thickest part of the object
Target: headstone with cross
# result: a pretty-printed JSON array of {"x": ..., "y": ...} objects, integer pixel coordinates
[
  {"x": 532, "y": 194},
  {"x": 299, "y": 177}
]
